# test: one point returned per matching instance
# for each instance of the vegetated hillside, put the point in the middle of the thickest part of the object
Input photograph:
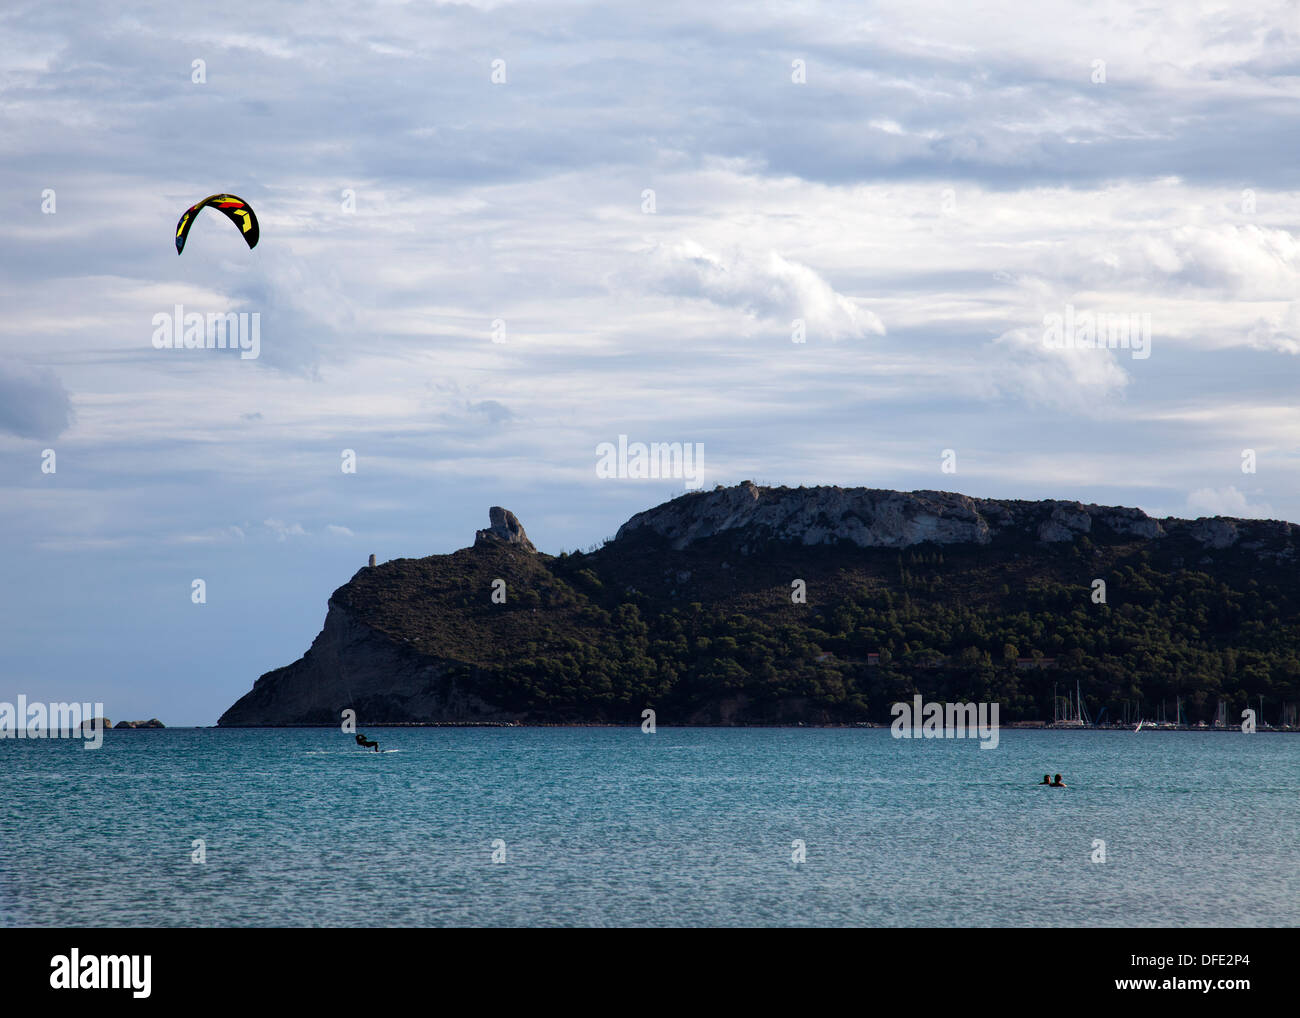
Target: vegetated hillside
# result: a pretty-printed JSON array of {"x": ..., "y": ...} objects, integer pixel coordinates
[{"x": 690, "y": 611}]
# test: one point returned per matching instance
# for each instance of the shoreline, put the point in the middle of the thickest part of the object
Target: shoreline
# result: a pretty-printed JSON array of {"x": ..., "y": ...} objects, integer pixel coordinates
[{"x": 1017, "y": 726}]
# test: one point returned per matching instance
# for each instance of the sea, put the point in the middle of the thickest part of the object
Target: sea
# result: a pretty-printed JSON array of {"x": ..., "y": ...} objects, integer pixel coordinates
[{"x": 603, "y": 827}]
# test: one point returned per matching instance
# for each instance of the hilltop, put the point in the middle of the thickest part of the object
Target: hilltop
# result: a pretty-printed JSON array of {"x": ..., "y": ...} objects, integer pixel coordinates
[{"x": 691, "y": 610}]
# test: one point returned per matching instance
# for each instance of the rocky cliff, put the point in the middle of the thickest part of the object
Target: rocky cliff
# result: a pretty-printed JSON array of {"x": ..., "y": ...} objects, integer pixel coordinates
[
  {"x": 874, "y": 518},
  {"x": 356, "y": 665}
]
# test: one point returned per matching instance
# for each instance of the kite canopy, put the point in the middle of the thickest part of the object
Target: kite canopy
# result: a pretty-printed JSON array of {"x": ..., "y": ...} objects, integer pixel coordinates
[{"x": 236, "y": 210}]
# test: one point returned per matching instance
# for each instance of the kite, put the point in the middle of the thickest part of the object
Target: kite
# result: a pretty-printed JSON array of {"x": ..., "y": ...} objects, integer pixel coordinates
[{"x": 236, "y": 210}]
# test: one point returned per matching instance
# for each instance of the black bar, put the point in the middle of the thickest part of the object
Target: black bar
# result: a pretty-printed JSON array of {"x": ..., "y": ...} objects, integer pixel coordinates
[{"x": 348, "y": 968}]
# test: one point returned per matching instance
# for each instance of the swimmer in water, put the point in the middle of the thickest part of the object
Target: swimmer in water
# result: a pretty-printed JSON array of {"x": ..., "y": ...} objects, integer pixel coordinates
[
  {"x": 1046, "y": 780},
  {"x": 1058, "y": 783},
  {"x": 365, "y": 743}
]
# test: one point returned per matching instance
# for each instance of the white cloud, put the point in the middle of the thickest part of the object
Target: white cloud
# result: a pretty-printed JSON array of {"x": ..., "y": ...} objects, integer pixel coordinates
[
  {"x": 1226, "y": 502},
  {"x": 1081, "y": 381},
  {"x": 282, "y": 530},
  {"x": 763, "y": 284},
  {"x": 1278, "y": 331}
]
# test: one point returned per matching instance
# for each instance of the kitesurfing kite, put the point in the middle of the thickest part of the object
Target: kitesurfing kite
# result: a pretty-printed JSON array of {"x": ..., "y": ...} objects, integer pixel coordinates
[{"x": 236, "y": 210}]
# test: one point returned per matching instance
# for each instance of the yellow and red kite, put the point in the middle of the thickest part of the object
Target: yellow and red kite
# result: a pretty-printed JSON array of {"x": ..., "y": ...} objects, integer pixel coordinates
[{"x": 236, "y": 210}]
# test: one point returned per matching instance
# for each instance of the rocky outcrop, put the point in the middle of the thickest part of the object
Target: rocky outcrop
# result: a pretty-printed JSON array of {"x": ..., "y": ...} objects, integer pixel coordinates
[
  {"x": 863, "y": 516},
  {"x": 505, "y": 528},
  {"x": 151, "y": 723},
  {"x": 1214, "y": 533},
  {"x": 1064, "y": 524},
  {"x": 875, "y": 518}
]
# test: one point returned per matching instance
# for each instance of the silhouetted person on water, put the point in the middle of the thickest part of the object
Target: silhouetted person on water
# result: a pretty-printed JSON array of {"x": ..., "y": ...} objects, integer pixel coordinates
[
  {"x": 1058, "y": 783},
  {"x": 1046, "y": 780},
  {"x": 365, "y": 743}
]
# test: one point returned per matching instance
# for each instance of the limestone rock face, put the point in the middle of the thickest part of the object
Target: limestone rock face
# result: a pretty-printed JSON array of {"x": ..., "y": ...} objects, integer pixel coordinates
[
  {"x": 867, "y": 517},
  {"x": 1130, "y": 521},
  {"x": 1065, "y": 524},
  {"x": 505, "y": 527},
  {"x": 1215, "y": 533},
  {"x": 875, "y": 518}
]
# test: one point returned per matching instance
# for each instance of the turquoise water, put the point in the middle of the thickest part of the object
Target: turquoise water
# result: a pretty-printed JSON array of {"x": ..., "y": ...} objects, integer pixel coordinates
[{"x": 612, "y": 827}]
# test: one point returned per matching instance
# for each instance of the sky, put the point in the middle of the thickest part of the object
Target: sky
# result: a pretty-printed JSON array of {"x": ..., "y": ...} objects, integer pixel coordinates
[{"x": 823, "y": 241}]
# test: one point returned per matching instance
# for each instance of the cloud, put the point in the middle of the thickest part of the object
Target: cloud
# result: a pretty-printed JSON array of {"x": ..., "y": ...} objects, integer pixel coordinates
[
  {"x": 1246, "y": 261},
  {"x": 1079, "y": 380},
  {"x": 33, "y": 403},
  {"x": 216, "y": 536},
  {"x": 763, "y": 284},
  {"x": 282, "y": 530},
  {"x": 1280, "y": 331},
  {"x": 334, "y": 530},
  {"x": 1226, "y": 502}
]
